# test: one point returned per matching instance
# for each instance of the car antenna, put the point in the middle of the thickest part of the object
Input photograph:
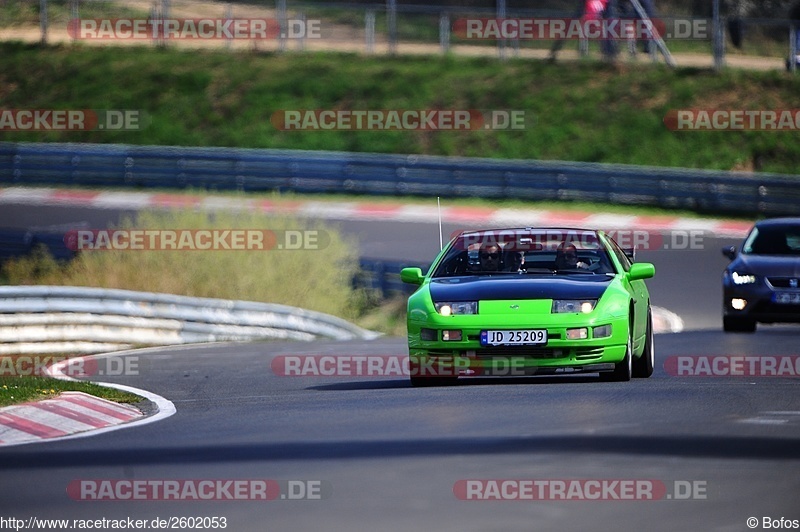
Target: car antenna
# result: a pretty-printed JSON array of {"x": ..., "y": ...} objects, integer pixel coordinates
[{"x": 439, "y": 207}]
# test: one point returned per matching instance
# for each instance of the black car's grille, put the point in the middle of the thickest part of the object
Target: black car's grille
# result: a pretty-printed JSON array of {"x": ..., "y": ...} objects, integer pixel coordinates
[
  {"x": 784, "y": 282},
  {"x": 766, "y": 308}
]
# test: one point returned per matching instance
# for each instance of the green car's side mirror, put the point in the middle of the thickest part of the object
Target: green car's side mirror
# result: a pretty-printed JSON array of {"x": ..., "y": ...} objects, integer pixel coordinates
[
  {"x": 411, "y": 275},
  {"x": 641, "y": 270}
]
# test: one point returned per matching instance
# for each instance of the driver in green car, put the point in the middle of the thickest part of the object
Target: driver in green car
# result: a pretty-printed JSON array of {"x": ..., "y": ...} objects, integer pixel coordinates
[
  {"x": 489, "y": 256},
  {"x": 567, "y": 257}
]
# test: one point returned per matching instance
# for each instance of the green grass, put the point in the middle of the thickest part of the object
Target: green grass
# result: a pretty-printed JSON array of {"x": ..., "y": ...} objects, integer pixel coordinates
[
  {"x": 14, "y": 390},
  {"x": 582, "y": 112}
]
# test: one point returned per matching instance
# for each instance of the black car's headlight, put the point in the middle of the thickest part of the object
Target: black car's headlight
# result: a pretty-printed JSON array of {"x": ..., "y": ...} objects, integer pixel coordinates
[
  {"x": 583, "y": 306},
  {"x": 449, "y": 308},
  {"x": 739, "y": 278}
]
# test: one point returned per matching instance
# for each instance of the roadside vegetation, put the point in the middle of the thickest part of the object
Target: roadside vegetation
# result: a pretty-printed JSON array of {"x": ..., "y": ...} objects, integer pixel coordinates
[
  {"x": 577, "y": 111},
  {"x": 315, "y": 279},
  {"x": 20, "y": 389}
]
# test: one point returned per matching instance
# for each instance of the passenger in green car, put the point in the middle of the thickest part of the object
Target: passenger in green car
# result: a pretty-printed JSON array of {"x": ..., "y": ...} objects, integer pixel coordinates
[
  {"x": 567, "y": 257},
  {"x": 514, "y": 261}
]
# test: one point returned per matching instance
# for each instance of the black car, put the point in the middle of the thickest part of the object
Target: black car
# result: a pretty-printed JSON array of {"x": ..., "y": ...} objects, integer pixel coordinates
[{"x": 762, "y": 282}]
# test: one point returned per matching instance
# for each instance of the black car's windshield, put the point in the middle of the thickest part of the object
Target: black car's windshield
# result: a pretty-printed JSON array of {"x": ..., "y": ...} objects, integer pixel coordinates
[
  {"x": 526, "y": 252},
  {"x": 773, "y": 240}
]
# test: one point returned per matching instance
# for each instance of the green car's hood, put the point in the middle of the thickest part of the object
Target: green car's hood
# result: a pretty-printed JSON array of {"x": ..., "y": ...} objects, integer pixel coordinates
[{"x": 505, "y": 287}]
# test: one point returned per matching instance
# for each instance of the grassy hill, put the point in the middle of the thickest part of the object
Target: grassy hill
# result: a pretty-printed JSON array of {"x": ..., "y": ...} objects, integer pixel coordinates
[{"x": 584, "y": 111}]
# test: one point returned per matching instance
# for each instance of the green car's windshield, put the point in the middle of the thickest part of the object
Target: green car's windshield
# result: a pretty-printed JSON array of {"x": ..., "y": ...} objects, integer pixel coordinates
[{"x": 528, "y": 252}]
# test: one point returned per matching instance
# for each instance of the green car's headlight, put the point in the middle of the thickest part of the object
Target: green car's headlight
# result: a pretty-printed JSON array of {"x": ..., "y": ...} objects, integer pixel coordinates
[
  {"x": 450, "y": 308},
  {"x": 573, "y": 305}
]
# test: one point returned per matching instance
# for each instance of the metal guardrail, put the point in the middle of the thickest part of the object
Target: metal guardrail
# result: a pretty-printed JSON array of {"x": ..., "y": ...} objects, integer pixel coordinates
[
  {"x": 383, "y": 277},
  {"x": 384, "y": 174},
  {"x": 79, "y": 319}
]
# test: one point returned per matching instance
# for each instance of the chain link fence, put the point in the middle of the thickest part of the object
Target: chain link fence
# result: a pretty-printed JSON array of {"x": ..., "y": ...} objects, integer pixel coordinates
[{"x": 757, "y": 34}]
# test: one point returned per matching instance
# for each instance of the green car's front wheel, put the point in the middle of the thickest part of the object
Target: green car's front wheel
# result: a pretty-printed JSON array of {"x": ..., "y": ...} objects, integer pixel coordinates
[
  {"x": 419, "y": 380},
  {"x": 624, "y": 368},
  {"x": 643, "y": 366}
]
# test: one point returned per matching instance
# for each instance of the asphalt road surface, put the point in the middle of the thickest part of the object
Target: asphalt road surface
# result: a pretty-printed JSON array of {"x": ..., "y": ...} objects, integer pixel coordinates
[
  {"x": 712, "y": 451},
  {"x": 703, "y": 452}
]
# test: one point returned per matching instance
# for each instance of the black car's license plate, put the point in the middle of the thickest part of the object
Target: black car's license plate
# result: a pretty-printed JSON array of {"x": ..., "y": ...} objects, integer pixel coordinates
[
  {"x": 514, "y": 337},
  {"x": 786, "y": 298}
]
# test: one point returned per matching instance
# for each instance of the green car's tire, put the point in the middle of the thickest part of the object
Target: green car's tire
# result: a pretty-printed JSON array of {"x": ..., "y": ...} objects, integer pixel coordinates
[
  {"x": 427, "y": 381},
  {"x": 423, "y": 382},
  {"x": 624, "y": 368},
  {"x": 643, "y": 366}
]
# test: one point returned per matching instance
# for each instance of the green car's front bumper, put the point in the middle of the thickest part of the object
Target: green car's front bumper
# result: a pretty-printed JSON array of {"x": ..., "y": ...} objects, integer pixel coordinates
[{"x": 431, "y": 355}]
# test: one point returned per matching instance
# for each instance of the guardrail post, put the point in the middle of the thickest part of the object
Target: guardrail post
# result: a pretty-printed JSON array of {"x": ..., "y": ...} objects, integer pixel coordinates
[
  {"x": 165, "y": 9},
  {"x": 583, "y": 47},
  {"x": 282, "y": 25},
  {"x": 501, "y": 43},
  {"x": 391, "y": 14},
  {"x": 74, "y": 14},
  {"x": 158, "y": 20},
  {"x": 718, "y": 44},
  {"x": 793, "y": 48},
  {"x": 383, "y": 285},
  {"x": 301, "y": 41},
  {"x": 43, "y": 20},
  {"x": 369, "y": 30},
  {"x": 228, "y": 15},
  {"x": 444, "y": 32}
]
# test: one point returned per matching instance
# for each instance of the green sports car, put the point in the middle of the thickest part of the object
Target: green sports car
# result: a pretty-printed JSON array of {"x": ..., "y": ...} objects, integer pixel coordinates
[{"x": 513, "y": 302}]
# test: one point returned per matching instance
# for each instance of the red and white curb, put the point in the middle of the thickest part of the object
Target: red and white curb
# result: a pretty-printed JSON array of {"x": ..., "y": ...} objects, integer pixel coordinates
[
  {"x": 362, "y": 210},
  {"x": 68, "y": 413},
  {"x": 76, "y": 414}
]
